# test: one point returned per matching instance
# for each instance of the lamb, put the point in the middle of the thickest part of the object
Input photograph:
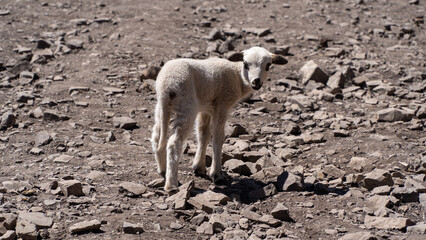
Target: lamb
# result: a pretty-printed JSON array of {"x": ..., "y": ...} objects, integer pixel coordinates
[{"x": 203, "y": 91}]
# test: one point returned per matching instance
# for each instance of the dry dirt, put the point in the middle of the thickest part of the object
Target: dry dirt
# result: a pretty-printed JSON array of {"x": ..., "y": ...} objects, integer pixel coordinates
[{"x": 382, "y": 41}]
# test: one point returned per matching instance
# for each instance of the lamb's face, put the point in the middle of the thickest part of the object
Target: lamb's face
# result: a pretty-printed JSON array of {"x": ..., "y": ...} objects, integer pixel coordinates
[{"x": 257, "y": 62}]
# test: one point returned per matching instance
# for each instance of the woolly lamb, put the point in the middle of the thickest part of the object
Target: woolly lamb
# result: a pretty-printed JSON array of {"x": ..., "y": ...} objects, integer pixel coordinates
[{"x": 202, "y": 90}]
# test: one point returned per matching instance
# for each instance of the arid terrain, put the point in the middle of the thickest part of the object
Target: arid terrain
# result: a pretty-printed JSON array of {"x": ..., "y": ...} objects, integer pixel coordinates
[{"x": 333, "y": 146}]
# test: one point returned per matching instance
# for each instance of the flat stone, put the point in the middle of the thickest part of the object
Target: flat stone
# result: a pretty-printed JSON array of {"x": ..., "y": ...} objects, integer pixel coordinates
[
  {"x": 377, "y": 177},
  {"x": 358, "y": 236},
  {"x": 113, "y": 90},
  {"x": 26, "y": 230},
  {"x": 23, "y": 97},
  {"x": 406, "y": 195},
  {"x": 85, "y": 226},
  {"x": 235, "y": 234},
  {"x": 377, "y": 202},
  {"x": 78, "y": 89},
  {"x": 261, "y": 193},
  {"x": 257, "y": 31},
  {"x": 124, "y": 123},
  {"x": 235, "y": 130},
  {"x": 8, "y": 119},
  {"x": 71, "y": 187},
  {"x": 270, "y": 220},
  {"x": 333, "y": 172},
  {"x": 131, "y": 228},
  {"x": 176, "y": 226},
  {"x": 16, "y": 186},
  {"x": 281, "y": 212},
  {"x": 8, "y": 235},
  {"x": 392, "y": 115},
  {"x": 311, "y": 71},
  {"x": 42, "y": 138},
  {"x": 237, "y": 166},
  {"x": 387, "y": 223},
  {"x": 132, "y": 189},
  {"x": 180, "y": 199},
  {"x": 207, "y": 200},
  {"x": 36, "y": 218},
  {"x": 53, "y": 115},
  {"x": 63, "y": 159},
  {"x": 205, "y": 228},
  {"x": 358, "y": 163},
  {"x": 337, "y": 80},
  {"x": 75, "y": 43},
  {"x": 417, "y": 229},
  {"x": 288, "y": 181},
  {"x": 96, "y": 175}
]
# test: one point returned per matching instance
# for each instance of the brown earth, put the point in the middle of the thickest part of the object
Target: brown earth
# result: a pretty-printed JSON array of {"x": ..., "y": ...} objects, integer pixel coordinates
[{"x": 379, "y": 40}]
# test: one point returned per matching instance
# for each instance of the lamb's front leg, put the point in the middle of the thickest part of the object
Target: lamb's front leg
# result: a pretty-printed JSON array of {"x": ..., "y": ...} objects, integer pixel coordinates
[{"x": 218, "y": 126}]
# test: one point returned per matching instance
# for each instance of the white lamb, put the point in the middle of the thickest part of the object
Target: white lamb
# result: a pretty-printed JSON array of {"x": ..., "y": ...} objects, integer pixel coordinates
[{"x": 204, "y": 90}]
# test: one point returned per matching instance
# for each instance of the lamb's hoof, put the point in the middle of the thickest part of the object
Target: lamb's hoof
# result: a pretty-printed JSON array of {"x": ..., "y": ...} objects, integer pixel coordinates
[
  {"x": 171, "y": 190},
  {"x": 163, "y": 174},
  {"x": 220, "y": 179},
  {"x": 199, "y": 171}
]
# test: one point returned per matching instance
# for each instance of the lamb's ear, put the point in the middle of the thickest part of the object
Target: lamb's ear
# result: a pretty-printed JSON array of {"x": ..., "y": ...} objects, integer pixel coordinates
[
  {"x": 278, "y": 59},
  {"x": 236, "y": 57}
]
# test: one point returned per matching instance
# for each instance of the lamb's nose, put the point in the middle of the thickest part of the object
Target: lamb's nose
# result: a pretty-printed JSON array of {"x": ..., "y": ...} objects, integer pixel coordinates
[{"x": 256, "y": 82}]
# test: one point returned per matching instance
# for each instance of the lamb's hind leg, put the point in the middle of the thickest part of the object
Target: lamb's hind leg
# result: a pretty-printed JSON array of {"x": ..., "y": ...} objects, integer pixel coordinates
[
  {"x": 159, "y": 136},
  {"x": 203, "y": 135},
  {"x": 218, "y": 126},
  {"x": 183, "y": 124}
]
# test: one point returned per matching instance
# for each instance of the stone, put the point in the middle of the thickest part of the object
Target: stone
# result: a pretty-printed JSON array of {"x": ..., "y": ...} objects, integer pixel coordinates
[
  {"x": 63, "y": 159},
  {"x": 205, "y": 228},
  {"x": 176, "y": 226},
  {"x": 270, "y": 220},
  {"x": 131, "y": 228},
  {"x": 124, "y": 123},
  {"x": 8, "y": 235},
  {"x": 77, "y": 89},
  {"x": 393, "y": 115},
  {"x": 337, "y": 80},
  {"x": 358, "y": 163},
  {"x": 235, "y": 130},
  {"x": 215, "y": 34},
  {"x": 257, "y": 31},
  {"x": 132, "y": 189},
  {"x": 96, "y": 175},
  {"x": 311, "y": 71},
  {"x": 387, "y": 223},
  {"x": 281, "y": 212},
  {"x": 261, "y": 193},
  {"x": 16, "y": 186},
  {"x": 23, "y": 97},
  {"x": 74, "y": 43},
  {"x": 113, "y": 90},
  {"x": 237, "y": 166},
  {"x": 71, "y": 187},
  {"x": 288, "y": 181},
  {"x": 180, "y": 199},
  {"x": 249, "y": 214},
  {"x": 85, "y": 226},
  {"x": 42, "y": 138},
  {"x": 341, "y": 133},
  {"x": 377, "y": 202},
  {"x": 42, "y": 44},
  {"x": 358, "y": 236},
  {"x": 207, "y": 200},
  {"x": 26, "y": 230},
  {"x": 235, "y": 234},
  {"x": 406, "y": 195},
  {"x": 37, "y": 113},
  {"x": 53, "y": 115},
  {"x": 8, "y": 221},
  {"x": 417, "y": 229},
  {"x": 377, "y": 177},
  {"x": 333, "y": 172},
  {"x": 7, "y": 120},
  {"x": 36, "y": 218}
]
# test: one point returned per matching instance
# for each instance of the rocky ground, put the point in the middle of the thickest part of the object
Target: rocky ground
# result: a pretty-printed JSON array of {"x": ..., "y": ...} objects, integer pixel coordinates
[{"x": 332, "y": 147}]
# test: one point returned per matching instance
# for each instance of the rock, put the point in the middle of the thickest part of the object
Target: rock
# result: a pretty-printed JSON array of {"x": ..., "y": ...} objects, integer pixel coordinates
[
  {"x": 334, "y": 52},
  {"x": 358, "y": 236},
  {"x": 42, "y": 44},
  {"x": 85, "y": 226},
  {"x": 63, "y": 159},
  {"x": 124, "y": 123},
  {"x": 377, "y": 202},
  {"x": 26, "y": 77},
  {"x": 237, "y": 166},
  {"x": 333, "y": 172},
  {"x": 26, "y": 230},
  {"x": 41, "y": 56},
  {"x": 358, "y": 163},
  {"x": 247, "y": 213},
  {"x": 288, "y": 181},
  {"x": 270, "y": 220},
  {"x": 392, "y": 115},
  {"x": 341, "y": 133},
  {"x": 71, "y": 187},
  {"x": 36, "y": 113},
  {"x": 176, "y": 226},
  {"x": 421, "y": 113},
  {"x": 261, "y": 193},
  {"x": 132, "y": 189},
  {"x": 377, "y": 177},
  {"x": 405, "y": 194},
  {"x": 53, "y": 115},
  {"x": 23, "y": 97},
  {"x": 417, "y": 229},
  {"x": 387, "y": 223},
  {"x": 75, "y": 43},
  {"x": 113, "y": 90},
  {"x": 215, "y": 34},
  {"x": 8, "y": 120},
  {"x": 36, "y": 218},
  {"x": 281, "y": 50},
  {"x": 8, "y": 221},
  {"x": 96, "y": 175},
  {"x": 8, "y": 235},
  {"x": 281, "y": 212},
  {"x": 257, "y": 31},
  {"x": 205, "y": 228},
  {"x": 42, "y": 138},
  {"x": 17, "y": 186},
  {"x": 131, "y": 228},
  {"x": 235, "y": 130},
  {"x": 180, "y": 199},
  {"x": 311, "y": 71},
  {"x": 77, "y": 89},
  {"x": 235, "y": 234},
  {"x": 207, "y": 200}
]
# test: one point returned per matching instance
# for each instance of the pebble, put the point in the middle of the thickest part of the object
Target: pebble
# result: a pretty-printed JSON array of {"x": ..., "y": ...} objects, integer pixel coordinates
[{"x": 85, "y": 226}]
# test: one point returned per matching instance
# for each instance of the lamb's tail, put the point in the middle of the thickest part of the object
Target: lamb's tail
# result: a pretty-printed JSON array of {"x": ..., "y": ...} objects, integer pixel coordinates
[{"x": 162, "y": 113}]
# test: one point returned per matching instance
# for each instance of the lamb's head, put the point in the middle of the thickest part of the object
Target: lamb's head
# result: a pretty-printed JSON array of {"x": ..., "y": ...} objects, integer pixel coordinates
[{"x": 256, "y": 64}]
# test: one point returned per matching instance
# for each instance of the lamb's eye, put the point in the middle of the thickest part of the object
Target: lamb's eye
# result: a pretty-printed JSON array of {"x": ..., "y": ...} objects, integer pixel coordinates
[
  {"x": 246, "y": 66},
  {"x": 268, "y": 65}
]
